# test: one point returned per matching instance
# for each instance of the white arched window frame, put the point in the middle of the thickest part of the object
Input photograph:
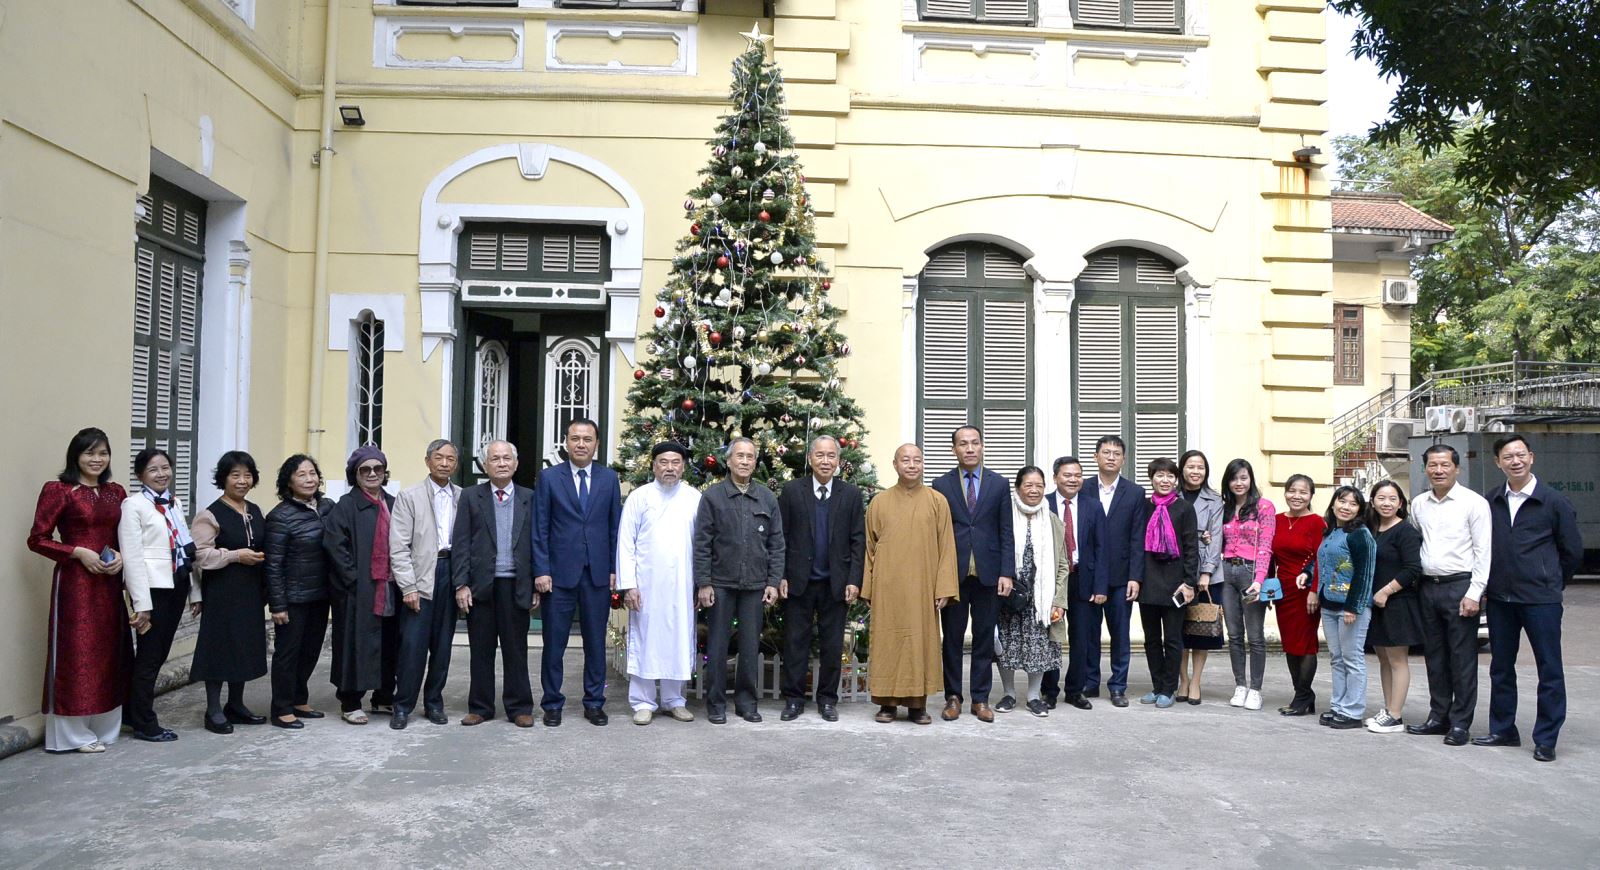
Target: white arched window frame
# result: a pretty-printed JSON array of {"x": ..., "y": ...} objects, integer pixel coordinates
[{"x": 571, "y": 389}]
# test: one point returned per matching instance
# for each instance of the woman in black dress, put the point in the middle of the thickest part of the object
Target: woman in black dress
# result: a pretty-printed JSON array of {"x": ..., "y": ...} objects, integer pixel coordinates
[
  {"x": 230, "y": 539},
  {"x": 1396, "y": 612}
]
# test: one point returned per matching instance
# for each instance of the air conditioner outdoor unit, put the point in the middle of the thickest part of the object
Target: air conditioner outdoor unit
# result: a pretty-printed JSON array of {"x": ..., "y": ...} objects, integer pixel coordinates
[
  {"x": 1394, "y": 433},
  {"x": 1464, "y": 419},
  {"x": 1399, "y": 291},
  {"x": 1498, "y": 425},
  {"x": 1438, "y": 418}
]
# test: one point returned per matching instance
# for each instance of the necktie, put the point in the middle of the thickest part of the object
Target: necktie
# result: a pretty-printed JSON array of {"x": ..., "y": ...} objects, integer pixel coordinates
[
  {"x": 499, "y": 495},
  {"x": 972, "y": 493},
  {"x": 1072, "y": 538},
  {"x": 822, "y": 493},
  {"x": 172, "y": 530},
  {"x": 583, "y": 490}
]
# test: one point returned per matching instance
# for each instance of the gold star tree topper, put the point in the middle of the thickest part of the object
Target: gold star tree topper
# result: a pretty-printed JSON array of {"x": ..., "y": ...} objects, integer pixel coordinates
[{"x": 756, "y": 37}]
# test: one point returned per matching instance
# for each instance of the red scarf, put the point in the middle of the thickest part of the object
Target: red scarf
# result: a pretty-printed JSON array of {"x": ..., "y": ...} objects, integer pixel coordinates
[{"x": 381, "y": 603}]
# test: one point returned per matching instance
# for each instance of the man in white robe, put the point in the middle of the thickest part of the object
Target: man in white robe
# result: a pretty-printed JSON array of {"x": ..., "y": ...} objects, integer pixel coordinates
[{"x": 655, "y": 571}]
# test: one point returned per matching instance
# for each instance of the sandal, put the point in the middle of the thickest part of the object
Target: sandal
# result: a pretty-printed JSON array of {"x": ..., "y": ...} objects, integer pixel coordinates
[
  {"x": 885, "y": 715},
  {"x": 354, "y": 717}
]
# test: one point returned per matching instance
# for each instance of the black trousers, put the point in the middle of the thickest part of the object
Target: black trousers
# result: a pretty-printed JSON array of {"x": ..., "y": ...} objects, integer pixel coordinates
[
  {"x": 388, "y": 659},
  {"x": 1450, "y": 647},
  {"x": 591, "y": 604},
  {"x": 817, "y": 611},
  {"x": 425, "y": 640},
  {"x": 166, "y": 611},
  {"x": 1077, "y": 646},
  {"x": 499, "y": 621},
  {"x": 296, "y": 646},
  {"x": 1542, "y": 623},
  {"x": 730, "y": 604},
  {"x": 982, "y": 604},
  {"x": 1163, "y": 645}
]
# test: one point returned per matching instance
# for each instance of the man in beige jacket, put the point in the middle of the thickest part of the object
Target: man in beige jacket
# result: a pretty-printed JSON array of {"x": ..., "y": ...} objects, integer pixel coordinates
[{"x": 419, "y": 555}]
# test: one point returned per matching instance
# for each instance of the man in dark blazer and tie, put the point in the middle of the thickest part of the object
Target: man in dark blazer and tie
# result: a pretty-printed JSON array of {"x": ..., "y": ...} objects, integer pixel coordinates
[
  {"x": 1119, "y": 567},
  {"x": 1080, "y": 516},
  {"x": 577, "y": 506},
  {"x": 1535, "y": 550},
  {"x": 980, "y": 511},
  {"x": 494, "y": 585},
  {"x": 825, "y": 545}
]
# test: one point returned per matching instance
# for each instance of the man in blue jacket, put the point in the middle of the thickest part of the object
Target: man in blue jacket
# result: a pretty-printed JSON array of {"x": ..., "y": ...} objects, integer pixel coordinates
[
  {"x": 577, "y": 508},
  {"x": 1119, "y": 567},
  {"x": 980, "y": 511},
  {"x": 1080, "y": 518},
  {"x": 1535, "y": 550}
]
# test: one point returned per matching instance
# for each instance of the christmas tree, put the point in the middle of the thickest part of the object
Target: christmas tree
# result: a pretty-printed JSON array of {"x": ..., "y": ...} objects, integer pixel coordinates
[{"x": 745, "y": 341}]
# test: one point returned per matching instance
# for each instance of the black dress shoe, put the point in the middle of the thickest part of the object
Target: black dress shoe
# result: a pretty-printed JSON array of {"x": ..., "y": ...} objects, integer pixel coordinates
[
  {"x": 1343, "y": 723},
  {"x": 212, "y": 725},
  {"x": 1544, "y": 753},
  {"x": 308, "y": 714},
  {"x": 752, "y": 716},
  {"x": 595, "y": 715},
  {"x": 1118, "y": 699},
  {"x": 437, "y": 717},
  {"x": 829, "y": 712},
  {"x": 398, "y": 720},
  {"x": 1457, "y": 737},
  {"x": 1326, "y": 718},
  {"x": 792, "y": 710},
  {"x": 1092, "y": 693},
  {"x": 164, "y": 735},
  {"x": 1430, "y": 728},
  {"x": 1080, "y": 702},
  {"x": 1050, "y": 702},
  {"x": 1508, "y": 739},
  {"x": 243, "y": 716},
  {"x": 1293, "y": 710},
  {"x": 717, "y": 717},
  {"x": 552, "y": 718},
  {"x": 279, "y": 723}
]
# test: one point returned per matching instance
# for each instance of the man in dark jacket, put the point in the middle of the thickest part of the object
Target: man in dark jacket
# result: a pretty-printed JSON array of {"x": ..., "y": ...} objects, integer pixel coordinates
[
  {"x": 825, "y": 545},
  {"x": 1080, "y": 516},
  {"x": 738, "y": 561},
  {"x": 1535, "y": 550},
  {"x": 1119, "y": 567},
  {"x": 366, "y": 624}
]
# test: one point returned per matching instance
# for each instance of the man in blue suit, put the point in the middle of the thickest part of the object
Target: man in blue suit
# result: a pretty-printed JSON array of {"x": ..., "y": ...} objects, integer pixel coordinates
[
  {"x": 1119, "y": 567},
  {"x": 980, "y": 511},
  {"x": 1080, "y": 517},
  {"x": 1535, "y": 550},
  {"x": 577, "y": 508}
]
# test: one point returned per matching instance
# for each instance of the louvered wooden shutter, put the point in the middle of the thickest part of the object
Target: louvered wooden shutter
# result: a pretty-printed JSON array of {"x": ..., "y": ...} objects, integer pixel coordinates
[
  {"x": 946, "y": 380},
  {"x": 1163, "y": 15},
  {"x": 1155, "y": 15},
  {"x": 956, "y": 10},
  {"x": 534, "y": 253},
  {"x": 1097, "y": 13},
  {"x": 1098, "y": 345},
  {"x": 164, "y": 392},
  {"x": 1156, "y": 382},
  {"x": 1006, "y": 11},
  {"x": 1005, "y": 384}
]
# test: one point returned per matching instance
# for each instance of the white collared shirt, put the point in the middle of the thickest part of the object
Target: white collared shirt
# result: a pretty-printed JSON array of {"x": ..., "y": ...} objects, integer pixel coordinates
[
  {"x": 827, "y": 488},
  {"x": 1515, "y": 498},
  {"x": 577, "y": 483},
  {"x": 1455, "y": 535},
  {"x": 1107, "y": 493},
  {"x": 508, "y": 490},
  {"x": 444, "y": 511}
]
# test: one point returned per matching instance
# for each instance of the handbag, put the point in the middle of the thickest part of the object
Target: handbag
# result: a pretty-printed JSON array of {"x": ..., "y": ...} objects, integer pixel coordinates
[
  {"x": 1203, "y": 618},
  {"x": 1020, "y": 601}
]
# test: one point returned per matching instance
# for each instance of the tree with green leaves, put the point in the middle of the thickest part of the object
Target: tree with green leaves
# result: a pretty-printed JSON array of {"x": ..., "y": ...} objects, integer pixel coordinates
[
  {"x": 1527, "y": 66},
  {"x": 745, "y": 340},
  {"x": 1521, "y": 274}
]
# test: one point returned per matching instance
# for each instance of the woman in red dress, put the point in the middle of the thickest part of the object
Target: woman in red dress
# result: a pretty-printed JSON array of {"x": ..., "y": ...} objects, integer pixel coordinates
[
  {"x": 1294, "y": 545},
  {"x": 90, "y": 648}
]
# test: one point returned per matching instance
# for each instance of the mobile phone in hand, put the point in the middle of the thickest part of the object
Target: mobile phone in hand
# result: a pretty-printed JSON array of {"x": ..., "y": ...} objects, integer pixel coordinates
[{"x": 107, "y": 556}]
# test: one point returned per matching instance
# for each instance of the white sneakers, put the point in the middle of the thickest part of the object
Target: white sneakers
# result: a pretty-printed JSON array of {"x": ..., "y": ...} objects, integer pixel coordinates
[
  {"x": 1383, "y": 723},
  {"x": 681, "y": 714},
  {"x": 643, "y": 717},
  {"x": 1239, "y": 694},
  {"x": 1252, "y": 700}
]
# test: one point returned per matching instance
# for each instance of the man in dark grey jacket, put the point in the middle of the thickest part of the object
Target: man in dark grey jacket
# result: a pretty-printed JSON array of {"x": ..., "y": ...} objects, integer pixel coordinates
[{"x": 738, "y": 563}]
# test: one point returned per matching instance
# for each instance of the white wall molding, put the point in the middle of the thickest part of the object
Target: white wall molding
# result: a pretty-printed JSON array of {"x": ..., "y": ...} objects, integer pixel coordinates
[
  {"x": 345, "y": 308},
  {"x": 387, "y": 33},
  {"x": 684, "y": 38},
  {"x": 917, "y": 46},
  {"x": 1190, "y": 59},
  {"x": 910, "y": 287},
  {"x": 1052, "y": 354}
]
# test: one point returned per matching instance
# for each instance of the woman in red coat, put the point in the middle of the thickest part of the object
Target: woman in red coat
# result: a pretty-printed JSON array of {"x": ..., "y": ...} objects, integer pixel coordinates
[
  {"x": 90, "y": 649},
  {"x": 1294, "y": 546}
]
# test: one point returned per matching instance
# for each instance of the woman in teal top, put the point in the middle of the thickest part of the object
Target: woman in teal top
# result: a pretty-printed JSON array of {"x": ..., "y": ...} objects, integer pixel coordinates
[{"x": 1343, "y": 580}]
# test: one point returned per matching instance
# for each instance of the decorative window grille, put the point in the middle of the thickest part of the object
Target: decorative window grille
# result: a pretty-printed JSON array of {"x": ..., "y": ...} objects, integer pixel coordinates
[
  {"x": 492, "y": 374},
  {"x": 367, "y": 387}
]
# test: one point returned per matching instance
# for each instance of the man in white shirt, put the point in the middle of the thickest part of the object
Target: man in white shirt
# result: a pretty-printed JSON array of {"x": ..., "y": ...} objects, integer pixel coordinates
[
  {"x": 1455, "y": 528},
  {"x": 419, "y": 553},
  {"x": 1076, "y": 508}
]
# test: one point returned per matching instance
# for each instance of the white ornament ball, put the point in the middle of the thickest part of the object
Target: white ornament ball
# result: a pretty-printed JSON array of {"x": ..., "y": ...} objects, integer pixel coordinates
[
  {"x": 688, "y": 205},
  {"x": 724, "y": 296},
  {"x": 764, "y": 369},
  {"x": 777, "y": 257},
  {"x": 689, "y": 362},
  {"x": 737, "y": 172},
  {"x": 866, "y": 468},
  {"x": 716, "y": 199},
  {"x": 761, "y": 147},
  {"x": 738, "y": 332},
  {"x": 768, "y": 195}
]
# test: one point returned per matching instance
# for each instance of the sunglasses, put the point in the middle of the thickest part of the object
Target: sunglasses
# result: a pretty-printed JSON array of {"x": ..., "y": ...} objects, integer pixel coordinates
[{"x": 370, "y": 469}]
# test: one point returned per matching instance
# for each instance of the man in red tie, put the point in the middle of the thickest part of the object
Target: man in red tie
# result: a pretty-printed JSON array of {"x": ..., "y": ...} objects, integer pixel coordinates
[{"x": 1082, "y": 525}]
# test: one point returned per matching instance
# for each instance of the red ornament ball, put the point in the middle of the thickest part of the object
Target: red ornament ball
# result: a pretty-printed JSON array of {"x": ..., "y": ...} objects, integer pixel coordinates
[
  {"x": 722, "y": 261},
  {"x": 688, "y": 404},
  {"x": 638, "y": 374},
  {"x": 827, "y": 285},
  {"x": 711, "y": 462},
  {"x": 694, "y": 229},
  {"x": 661, "y": 312},
  {"x": 764, "y": 216},
  {"x": 716, "y": 337}
]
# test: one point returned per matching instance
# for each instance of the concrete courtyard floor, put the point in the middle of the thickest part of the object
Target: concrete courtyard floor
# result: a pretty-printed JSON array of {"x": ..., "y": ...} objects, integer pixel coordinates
[{"x": 1133, "y": 787}]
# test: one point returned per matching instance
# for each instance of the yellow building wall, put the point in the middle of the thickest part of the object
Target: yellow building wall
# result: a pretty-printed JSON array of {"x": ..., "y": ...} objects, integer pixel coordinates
[{"x": 1386, "y": 329}]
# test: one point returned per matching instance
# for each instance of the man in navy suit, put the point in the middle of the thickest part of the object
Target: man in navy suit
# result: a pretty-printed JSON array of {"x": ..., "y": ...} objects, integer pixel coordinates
[
  {"x": 1080, "y": 516},
  {"x": 1535, "y": 551},
  {"x": 980, "y": 511},
  {"x": 577, "y": 508},
  {"x": 1119, "y": 567}
]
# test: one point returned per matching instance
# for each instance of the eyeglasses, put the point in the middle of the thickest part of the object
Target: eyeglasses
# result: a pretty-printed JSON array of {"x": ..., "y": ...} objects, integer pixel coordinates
[{"x": 371, "y": 470}]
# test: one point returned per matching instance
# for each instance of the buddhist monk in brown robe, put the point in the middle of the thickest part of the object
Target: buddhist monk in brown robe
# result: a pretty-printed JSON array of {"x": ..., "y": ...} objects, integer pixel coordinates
[{"x": 910, "y": 575}]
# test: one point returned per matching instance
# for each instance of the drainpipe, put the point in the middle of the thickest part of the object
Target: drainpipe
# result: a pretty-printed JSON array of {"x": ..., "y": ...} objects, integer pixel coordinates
[{"x": 319, "y": 274}]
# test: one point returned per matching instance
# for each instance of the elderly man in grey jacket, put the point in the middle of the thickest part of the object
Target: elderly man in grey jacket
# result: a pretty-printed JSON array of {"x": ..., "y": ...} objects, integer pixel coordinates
[
  {"x": 419, "y": 555},
  {"x": 738, "y": 564}
]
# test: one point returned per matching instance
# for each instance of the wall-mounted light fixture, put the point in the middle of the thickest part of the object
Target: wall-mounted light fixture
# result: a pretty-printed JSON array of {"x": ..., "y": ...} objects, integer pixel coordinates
[
  {"x": 351, "y": 115},
  {"x": 1304, "y": 155}
]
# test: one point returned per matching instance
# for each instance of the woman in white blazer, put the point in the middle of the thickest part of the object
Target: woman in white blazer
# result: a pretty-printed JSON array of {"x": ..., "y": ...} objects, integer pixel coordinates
[{"x": 157, "y": 554}]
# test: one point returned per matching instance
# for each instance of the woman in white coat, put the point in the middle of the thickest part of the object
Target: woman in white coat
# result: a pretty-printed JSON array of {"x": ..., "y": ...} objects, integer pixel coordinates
[{"x": 157, "y": 555}]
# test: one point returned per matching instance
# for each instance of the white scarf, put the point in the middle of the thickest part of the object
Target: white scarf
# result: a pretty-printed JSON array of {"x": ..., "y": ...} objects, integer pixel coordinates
[{"x": 1036, "y": 518}]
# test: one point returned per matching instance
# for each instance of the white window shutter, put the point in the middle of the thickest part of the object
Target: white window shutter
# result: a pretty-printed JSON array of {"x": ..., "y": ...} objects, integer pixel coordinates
[
  {"x": 944, "y": 350},
  {"x": 1154, "y": 15},
  {"x": 949, "y": 263},
  {"x": 484, "y": 250},
  {"x": 514, "y": 252},
  {"x": 937, "y": 424},
  {"x": 1102, "y": 269},
  {"x": 557, "y": 254},
  {"x": 1099, "y": 346},
  {"x": 1099, "y": 13}
]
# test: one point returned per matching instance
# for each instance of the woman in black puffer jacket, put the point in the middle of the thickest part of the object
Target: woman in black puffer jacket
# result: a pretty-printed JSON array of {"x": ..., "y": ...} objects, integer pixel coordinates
[{"x": 297, "y": 587}]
